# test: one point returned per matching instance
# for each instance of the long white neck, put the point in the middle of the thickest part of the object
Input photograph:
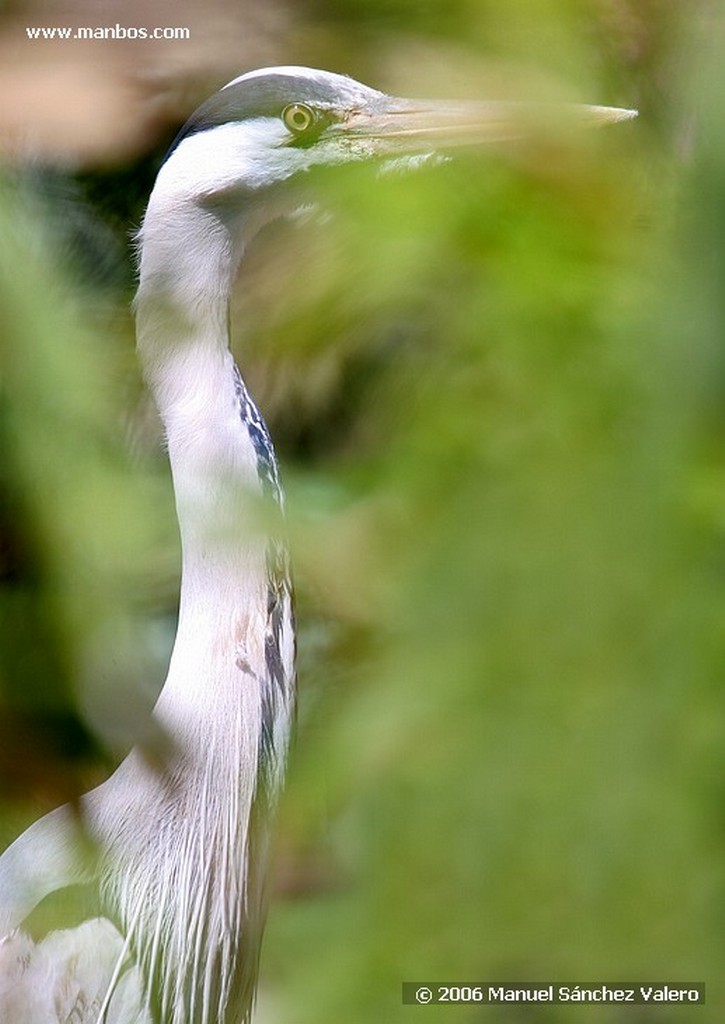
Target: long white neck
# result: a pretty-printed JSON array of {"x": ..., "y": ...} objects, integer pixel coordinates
[
  {"x": 189, "y": 260},
  {"x": 194, "y": 842},
  {"x": 189, "y": 256}
]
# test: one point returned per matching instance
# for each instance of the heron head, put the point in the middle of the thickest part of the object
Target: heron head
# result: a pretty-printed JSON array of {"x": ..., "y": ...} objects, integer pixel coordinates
[{"x": 269, "y": 126}]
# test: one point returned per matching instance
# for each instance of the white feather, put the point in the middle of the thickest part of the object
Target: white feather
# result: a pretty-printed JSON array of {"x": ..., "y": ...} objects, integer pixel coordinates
[{"x": 65, "y": 978}]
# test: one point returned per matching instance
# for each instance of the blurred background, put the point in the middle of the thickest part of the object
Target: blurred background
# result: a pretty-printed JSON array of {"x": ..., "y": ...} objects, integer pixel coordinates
[{"x": 497, "y": 389}]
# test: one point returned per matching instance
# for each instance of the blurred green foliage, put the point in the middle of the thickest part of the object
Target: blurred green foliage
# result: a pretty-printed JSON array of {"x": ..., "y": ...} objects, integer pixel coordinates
[
  {"x": 497, "y": 388},
  {"x": 76, "y": 519}
]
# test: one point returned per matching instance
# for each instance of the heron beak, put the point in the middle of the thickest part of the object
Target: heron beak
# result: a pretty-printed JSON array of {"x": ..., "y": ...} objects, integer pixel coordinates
[{"x": 405, "y": 126}]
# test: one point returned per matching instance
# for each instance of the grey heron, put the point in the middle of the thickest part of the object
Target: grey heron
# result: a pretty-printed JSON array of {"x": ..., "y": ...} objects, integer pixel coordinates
[{"x": 182, "y": 848}]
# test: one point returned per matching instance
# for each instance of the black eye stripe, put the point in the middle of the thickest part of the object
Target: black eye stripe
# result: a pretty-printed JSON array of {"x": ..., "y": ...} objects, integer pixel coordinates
[{"x": 264, "y": 97}]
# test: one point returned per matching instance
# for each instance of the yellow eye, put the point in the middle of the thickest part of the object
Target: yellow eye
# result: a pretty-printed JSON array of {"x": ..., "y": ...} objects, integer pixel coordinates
[{"x": 298, "y": 117}]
